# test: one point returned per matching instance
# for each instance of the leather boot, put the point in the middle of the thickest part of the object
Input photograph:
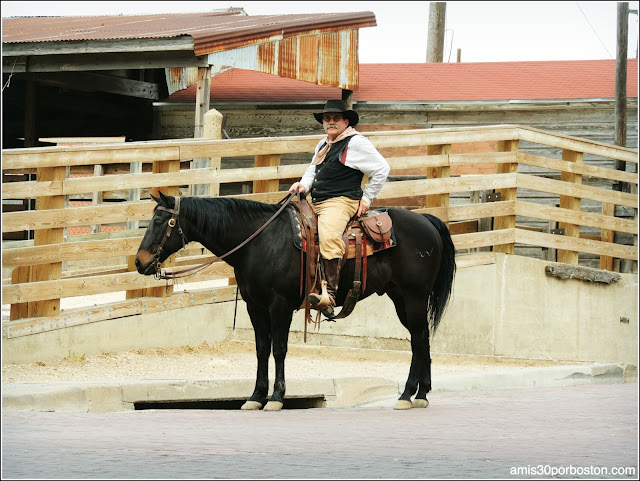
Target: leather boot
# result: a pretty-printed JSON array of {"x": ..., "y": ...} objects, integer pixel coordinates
[{"x": 326, "y": 300}]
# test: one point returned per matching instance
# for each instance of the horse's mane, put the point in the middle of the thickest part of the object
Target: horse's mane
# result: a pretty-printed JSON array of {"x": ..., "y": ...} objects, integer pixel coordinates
[{"x": 212, "y": 216}]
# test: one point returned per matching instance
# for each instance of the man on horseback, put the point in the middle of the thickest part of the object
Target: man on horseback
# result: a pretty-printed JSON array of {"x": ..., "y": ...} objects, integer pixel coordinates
[{"x": 334, "y": 180}]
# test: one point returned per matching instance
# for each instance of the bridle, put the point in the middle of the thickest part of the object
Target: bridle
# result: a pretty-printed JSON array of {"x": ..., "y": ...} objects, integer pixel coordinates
[{"x": 175, "y": 213}]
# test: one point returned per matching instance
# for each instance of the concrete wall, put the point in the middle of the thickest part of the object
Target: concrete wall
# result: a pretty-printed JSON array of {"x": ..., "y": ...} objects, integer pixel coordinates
[{"x": 508, "y": 308}]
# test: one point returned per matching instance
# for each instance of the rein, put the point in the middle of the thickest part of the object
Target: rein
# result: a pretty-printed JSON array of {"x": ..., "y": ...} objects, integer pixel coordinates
[{"x": 162, "y": 274}]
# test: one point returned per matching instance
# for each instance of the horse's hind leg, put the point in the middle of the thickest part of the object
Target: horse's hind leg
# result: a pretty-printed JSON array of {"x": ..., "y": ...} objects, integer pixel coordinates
[
  {"x": 413, "y": 314},
  {"x": 260, "y": 322}
]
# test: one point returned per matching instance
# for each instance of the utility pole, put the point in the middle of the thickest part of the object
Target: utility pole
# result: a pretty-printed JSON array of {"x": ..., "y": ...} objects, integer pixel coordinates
[
  {"x": 435, "y": 38},
  {"x": 621, "y": 78}
]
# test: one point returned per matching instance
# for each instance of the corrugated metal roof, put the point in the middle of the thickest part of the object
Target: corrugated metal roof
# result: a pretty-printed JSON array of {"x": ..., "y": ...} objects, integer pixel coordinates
[
  {"x": 433, "y": 82},
  {"x": 319, "y": 48},
  {"x": 212, "y": 31}
]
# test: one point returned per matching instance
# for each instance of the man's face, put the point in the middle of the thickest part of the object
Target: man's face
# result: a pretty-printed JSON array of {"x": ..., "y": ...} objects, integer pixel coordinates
[{"x": 334, "y": 124}]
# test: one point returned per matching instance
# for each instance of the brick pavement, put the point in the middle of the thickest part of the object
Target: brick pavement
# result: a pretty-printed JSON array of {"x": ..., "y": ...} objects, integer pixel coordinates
[{"x": 474, "y": 434}]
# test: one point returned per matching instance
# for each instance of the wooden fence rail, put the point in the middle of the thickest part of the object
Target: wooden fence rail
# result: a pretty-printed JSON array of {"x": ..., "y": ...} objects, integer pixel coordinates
[{"x": 570, "y": 206}]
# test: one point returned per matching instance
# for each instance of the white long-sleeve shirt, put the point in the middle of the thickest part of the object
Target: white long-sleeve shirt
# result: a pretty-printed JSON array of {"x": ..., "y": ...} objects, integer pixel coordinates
[{"x": 363, "y": 156}]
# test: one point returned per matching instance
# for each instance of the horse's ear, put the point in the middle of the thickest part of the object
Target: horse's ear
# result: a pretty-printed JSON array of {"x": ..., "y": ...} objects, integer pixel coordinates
[{"x": 157, "y": 199}]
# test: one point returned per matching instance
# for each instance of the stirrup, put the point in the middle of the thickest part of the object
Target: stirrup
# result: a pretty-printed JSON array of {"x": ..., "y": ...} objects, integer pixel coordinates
[{"x": 322, "y": 300}]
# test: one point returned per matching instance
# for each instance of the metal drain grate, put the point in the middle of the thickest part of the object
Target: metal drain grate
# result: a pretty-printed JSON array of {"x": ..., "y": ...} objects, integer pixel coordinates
[{"x": 230, "y": 404}]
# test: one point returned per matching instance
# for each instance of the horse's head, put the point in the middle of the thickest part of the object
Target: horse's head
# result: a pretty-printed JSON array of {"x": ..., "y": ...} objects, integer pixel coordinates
[{"x": 163, "y": 237}]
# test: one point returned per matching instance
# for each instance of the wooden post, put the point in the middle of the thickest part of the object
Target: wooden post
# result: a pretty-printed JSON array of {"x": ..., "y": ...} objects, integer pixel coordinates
[
  {"x": 438, "y": 200},
  {"x": 203, "y": 95},
  {"x": 53, "y": 271},
  {"x": 484, "y": 223},
  {"x": 158, "y": 167},
  {"x": 271, "y": 185},
  {"x": 606, "y": 262},
  {"x": 213, "y": 130},
  {"x": 570, "y": 202},
  {"x": 507, "y": 221},
  {"x": 621, "y": 79},
  {"x": 134, "y": 194},
  {"x": 20, "y": 275},
  {"x": 97, "y": 197},
  {"x": 435, "y": 37}
]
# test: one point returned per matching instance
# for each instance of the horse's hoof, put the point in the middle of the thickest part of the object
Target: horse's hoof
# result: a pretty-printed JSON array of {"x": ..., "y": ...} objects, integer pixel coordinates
[
  {"x": 420, "y": 403},
  {"x": 273, "y": 406},
  {"x": 251, "y": 406},
  {"x": 402, "y": 404}
]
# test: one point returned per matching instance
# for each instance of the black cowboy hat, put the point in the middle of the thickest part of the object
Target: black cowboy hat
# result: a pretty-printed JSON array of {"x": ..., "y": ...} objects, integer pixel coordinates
[{"x": 337, "y": 105}]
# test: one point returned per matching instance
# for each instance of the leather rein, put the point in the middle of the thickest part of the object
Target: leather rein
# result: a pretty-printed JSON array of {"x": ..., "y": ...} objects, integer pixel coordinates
[{"x": 175, "y": 212}]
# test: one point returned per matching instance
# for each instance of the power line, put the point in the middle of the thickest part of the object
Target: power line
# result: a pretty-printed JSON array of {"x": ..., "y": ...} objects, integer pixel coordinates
[{"x": 594, "y": 30}]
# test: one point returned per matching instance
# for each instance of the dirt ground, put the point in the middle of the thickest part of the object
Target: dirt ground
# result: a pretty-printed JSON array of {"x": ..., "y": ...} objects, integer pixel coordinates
[{"x": 236, "y": 359}]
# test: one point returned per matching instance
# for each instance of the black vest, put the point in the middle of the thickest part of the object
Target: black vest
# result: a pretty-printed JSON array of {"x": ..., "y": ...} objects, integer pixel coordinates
[{"x": 333, "y": 178}]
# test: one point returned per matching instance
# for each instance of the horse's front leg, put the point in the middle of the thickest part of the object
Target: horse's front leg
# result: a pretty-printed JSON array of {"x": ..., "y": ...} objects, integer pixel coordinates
[
  {"x": 260, "y": 322},
  {"x": 281, "y": 316}
]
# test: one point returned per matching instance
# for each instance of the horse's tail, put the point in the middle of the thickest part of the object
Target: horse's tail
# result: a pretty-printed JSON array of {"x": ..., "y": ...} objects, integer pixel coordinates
[{"x": 439, "y": 296}]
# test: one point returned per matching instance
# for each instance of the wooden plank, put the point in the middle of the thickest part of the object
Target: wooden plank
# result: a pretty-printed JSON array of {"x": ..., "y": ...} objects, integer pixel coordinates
[
  {"x": 463, "y": 227},
  {"x": 55, "y": 289},
  {"x": 555, "y": 214},
  {"x": 114, "y": 310},
  {"x": 99, "y": 46},
  {"x": 484, "y": 239},
  {"x": 116, "y": 153},
  {"x": 97, "y": 82},
  {"x": 471, "y": 211},
  {"x": 248, "y": 147},
  {"x": 576, "y": 244},
  {"x": 531, "y": 182},
  {"x": 467, "y": 183},
  {"x": 125, "y": 182},
  {"x": 575, "y": 144},
  {"x": 471, "y": 260},
  {"x": 77, "y": 216},
  {"x": 565, "y": 166},
  {"x": 71, "y": 251}
]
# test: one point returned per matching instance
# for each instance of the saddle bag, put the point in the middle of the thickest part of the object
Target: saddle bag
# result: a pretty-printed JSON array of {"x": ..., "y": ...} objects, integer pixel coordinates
[{"x": 377, "y": 225}]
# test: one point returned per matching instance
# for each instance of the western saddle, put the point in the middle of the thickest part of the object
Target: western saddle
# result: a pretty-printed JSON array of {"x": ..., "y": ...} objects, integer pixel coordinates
[{"x": 363, "y": 237}]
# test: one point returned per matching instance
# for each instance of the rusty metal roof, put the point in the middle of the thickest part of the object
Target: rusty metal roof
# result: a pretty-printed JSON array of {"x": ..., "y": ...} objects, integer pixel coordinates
[
  {"x": 320, "y": 48},
  {"x": 211, "y": 31}
]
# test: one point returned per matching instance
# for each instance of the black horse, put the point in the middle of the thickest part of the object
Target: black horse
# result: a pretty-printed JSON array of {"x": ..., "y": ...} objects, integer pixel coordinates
[{"x": 417, "y": 274}]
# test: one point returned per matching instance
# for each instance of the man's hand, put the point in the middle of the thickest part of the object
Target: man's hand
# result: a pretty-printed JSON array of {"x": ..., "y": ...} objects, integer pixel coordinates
[
  {"x": 363, "y": 207},
  {"x": 296, "y": 187}
]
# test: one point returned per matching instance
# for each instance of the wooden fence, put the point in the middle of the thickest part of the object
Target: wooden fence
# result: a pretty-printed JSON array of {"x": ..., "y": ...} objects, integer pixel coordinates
[{"x": 494, "y": 197}]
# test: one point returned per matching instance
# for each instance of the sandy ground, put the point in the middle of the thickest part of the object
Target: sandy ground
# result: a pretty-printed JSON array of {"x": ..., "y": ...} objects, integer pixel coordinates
[{"x": 236, "y": 359}]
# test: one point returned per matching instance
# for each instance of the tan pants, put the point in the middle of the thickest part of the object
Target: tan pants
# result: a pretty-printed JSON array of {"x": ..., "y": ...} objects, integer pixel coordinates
[{"x": 333, "y": 217}]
